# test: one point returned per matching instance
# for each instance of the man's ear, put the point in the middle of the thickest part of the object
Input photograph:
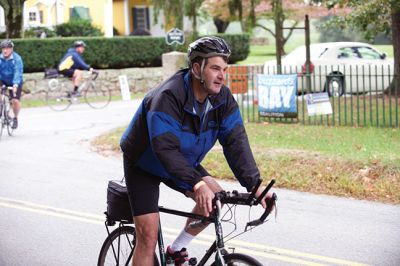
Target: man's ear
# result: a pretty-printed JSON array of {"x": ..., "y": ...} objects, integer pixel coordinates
[{"x": 196, "y": 70}]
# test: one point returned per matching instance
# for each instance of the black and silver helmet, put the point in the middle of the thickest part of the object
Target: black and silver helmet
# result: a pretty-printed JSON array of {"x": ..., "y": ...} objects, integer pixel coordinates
[
  {"x": 79, "y": 44},
  {"x": 7, "y": 43},
  {"x": 208, "y": 47}
]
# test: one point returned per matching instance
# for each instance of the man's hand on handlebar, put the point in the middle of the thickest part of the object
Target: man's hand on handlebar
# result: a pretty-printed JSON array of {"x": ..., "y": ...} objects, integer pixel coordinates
[
  {"x": 266, "y": 198},
  {"x": 204, "y": 196}
]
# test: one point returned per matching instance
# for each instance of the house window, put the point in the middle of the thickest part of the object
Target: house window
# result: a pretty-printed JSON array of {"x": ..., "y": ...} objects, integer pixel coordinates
[
  {"x": 141, "y": 18},
  {"x": 32, "y": 16}
]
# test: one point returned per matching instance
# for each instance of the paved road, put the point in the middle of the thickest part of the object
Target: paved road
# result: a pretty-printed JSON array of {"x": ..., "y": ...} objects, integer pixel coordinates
[{"x": 53, "y": 189}]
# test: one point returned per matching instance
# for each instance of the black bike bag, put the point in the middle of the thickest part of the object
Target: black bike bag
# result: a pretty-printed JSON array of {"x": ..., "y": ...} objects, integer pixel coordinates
[{"x": 118, "y": 208}]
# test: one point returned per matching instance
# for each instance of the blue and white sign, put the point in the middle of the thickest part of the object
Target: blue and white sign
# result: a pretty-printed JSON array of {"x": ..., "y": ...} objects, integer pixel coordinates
[
  {"x": 175, "y": 36},
  {"x": 277, "y": 95}
]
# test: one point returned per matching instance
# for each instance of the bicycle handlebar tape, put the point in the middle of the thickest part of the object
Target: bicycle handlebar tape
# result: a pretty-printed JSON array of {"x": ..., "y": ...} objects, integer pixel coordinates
[
  {"x": 268, "y": 209},
  {"x": 251, "y": 198}
]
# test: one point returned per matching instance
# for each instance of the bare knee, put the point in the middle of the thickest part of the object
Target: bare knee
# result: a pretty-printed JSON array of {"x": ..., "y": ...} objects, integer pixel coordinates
[{"x": 146, "y": 233}]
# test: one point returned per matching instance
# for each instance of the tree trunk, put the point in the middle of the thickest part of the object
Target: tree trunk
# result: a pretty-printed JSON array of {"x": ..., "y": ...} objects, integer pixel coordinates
[
  {"x": 394, "y": 88},
  {"x": 221, "y": 25},
  {"x": 13, "y": 16},
  {"x": 279, "y": 39}
]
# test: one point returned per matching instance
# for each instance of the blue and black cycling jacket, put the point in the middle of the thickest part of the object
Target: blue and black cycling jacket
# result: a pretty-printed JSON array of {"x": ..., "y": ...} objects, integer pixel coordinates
[
  {"x": 11, "y": 69},
  {"x": 72, "y": 60},
  {"x": 167, "y": 138}
]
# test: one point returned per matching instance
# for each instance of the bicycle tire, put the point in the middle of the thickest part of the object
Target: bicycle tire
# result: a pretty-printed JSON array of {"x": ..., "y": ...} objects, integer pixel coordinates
[
  {"x": 9, "y": 122},
  {"x": 1, "y": 119},
  {"x": 237, "y": 259},
  {"x": 58, "y": 96},
  {"x": 96, "y": 95},
  {"x": 113, "y": 244}
]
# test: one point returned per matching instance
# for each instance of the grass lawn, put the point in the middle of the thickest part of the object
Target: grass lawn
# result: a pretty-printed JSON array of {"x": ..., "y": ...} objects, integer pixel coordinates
[{"x": 362, "y": 163}]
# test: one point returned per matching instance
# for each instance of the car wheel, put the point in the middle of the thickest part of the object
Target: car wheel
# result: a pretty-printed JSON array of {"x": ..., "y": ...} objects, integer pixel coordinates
[{"x": 335, "y": 85}]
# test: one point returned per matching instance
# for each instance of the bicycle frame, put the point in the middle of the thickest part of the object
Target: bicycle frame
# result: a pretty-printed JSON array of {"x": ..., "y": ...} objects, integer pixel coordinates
[{"x": 218, "y": 246}]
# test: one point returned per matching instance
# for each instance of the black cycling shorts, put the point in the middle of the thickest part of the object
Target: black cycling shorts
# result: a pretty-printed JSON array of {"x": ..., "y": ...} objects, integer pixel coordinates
[
  {"x": 68, "y": 72},
  {"x": 143, "y": 189},
  {"x": 13, "y": 95}
]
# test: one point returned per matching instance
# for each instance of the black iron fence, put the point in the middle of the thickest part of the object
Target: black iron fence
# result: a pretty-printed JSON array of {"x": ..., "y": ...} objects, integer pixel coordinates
[{"x": 357, "y": 94}]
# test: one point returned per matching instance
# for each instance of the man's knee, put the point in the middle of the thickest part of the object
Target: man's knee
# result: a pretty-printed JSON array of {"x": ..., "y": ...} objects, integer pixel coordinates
[
  {"x": 147, "y": 229},
  {"x": 77, "y": 73}
]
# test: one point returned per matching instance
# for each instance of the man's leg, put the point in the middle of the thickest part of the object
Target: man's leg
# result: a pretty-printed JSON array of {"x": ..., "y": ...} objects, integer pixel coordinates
[
  {"x": 146, "y": 239},
  {"x": 187, "y": 234},
  {"x": 77, "y": 79},
  {"x": 16, "y": 105}
]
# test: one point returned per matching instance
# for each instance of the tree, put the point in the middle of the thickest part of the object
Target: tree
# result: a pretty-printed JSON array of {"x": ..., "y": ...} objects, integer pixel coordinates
[
  {"x": 373, "y": 17},
  {"x": 13, "y": 16},
  {"x": 249, "y": 12},
  {"x": 174, "y": 10}
]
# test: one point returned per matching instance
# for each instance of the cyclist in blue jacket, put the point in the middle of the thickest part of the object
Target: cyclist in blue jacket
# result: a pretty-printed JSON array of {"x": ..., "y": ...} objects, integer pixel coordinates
[
  {"x": 72, "y": 64},
  {"x": 177, "y": 123},
  {"x": 11, "y": 75}
]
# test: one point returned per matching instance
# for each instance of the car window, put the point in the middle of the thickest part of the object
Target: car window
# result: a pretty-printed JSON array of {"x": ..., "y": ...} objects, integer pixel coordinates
[
  {"x": 368, "y": 53},
  {"x": 348, "y": 53}
]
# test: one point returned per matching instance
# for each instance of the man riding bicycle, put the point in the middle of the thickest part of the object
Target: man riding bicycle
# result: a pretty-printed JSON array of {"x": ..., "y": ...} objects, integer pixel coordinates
[
  {"x": 177, "y": 123},
  {"x": 11, "y": 75},
  {"x": 72, "y": 64}
]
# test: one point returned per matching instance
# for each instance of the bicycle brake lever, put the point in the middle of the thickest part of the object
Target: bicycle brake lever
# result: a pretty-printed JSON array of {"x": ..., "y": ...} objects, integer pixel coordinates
[{"x": 268, "y": 209}]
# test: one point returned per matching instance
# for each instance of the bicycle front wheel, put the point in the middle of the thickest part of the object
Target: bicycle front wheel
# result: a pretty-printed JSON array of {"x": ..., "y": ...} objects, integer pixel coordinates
[
  {"x": 97, "y": 95},
  {"x": 237, "y": 259},
  {"x": 58, "y": 96},
  {"x": 9, "y": 121},
  {"x": 1, "y": 119},
  {"x": 118, "y": 247}
]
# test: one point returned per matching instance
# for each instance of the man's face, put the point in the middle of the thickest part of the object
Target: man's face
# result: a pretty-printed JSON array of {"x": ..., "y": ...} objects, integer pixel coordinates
[
  {"x": 7, "y": 51},
  {"x": 214, "y": 74},
  {"x": 80, "y": 49}
]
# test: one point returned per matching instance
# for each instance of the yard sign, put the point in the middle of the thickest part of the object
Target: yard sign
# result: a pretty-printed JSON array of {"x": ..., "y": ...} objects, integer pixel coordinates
[{"x": 277, "y": 95}]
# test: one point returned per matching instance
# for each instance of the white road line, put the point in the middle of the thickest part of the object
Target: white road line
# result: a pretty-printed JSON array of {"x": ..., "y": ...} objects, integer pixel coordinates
[{"x": 255, "y": 249}]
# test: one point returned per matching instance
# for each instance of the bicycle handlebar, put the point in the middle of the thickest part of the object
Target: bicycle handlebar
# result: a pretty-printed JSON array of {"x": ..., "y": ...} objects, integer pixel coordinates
[{"x": 95, "y": 74}]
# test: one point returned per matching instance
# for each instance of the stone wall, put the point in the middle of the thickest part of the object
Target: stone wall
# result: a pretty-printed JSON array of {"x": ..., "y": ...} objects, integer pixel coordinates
[{"x": 139, "y": 79}]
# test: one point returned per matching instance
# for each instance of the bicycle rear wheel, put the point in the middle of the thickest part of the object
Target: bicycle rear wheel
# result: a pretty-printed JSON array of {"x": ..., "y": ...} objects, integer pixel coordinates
[
  {"x": 97, "y": 95},
  {"x": 237, "y": 259},
  {"x": 118, "y": 247},
  {"x": 58, "y": 96}
]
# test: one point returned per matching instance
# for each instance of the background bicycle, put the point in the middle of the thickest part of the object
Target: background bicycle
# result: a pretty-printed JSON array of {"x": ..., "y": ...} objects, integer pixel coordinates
[
  {"x": 59, "y": 92},
  {"x": 118, "y": 247},
  {"x": 6, "y": 113}
]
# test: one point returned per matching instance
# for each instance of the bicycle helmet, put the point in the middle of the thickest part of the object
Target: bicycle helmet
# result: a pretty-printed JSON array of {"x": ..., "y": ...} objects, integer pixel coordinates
[
  {"x": 79, "y": 44},
  {"x": 7, "y": 43},
  {"x": 208, "y": 47}
]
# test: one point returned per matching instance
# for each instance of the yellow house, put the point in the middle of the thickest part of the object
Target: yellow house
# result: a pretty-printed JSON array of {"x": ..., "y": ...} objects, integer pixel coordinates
[{"x": 124, "y": 16}]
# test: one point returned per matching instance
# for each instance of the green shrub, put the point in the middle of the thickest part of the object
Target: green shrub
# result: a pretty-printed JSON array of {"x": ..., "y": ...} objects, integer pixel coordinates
[
  {"x": 101, "y": 52},
  {"x": 116, "y": 52},
  {"x": 37, "y": 31},
  {"x": 77, "y": 27}
]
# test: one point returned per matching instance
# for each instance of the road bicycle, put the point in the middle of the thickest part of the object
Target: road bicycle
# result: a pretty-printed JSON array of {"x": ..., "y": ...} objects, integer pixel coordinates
[
  {"x": 118, "y": 247},
  {"x": 6, "y": 114},
  {"x": 60, "y": 96}
]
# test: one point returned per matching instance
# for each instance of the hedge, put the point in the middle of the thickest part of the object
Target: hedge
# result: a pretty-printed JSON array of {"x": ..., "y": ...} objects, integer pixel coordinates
[{"x": 116, "y": 52}]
